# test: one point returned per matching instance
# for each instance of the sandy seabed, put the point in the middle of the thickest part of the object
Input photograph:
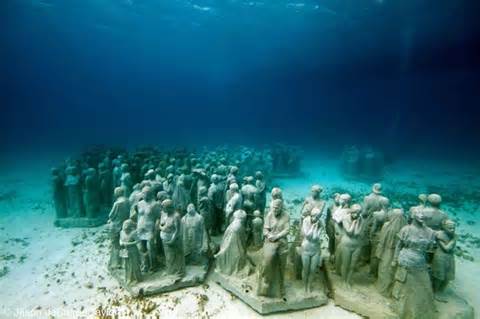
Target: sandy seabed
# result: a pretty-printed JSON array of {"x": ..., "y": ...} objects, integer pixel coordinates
[{"x": 47, "y": 272}]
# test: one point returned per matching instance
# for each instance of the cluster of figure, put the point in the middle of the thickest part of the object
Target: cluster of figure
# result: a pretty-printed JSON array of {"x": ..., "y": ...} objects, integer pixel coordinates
[
  {"x": 410, "y": 255},
  {"x": 362, "y": 163},
  {"x": 166, "y": 206}
]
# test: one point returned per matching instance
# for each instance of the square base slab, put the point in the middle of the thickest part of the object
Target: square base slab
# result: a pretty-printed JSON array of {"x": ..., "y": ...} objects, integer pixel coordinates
[
  {"x": 364, "y": 299},
  {"x": 80, "y": 222},
  {"x": 158, "y": 282},
  {"x": 296, "y": 299}
]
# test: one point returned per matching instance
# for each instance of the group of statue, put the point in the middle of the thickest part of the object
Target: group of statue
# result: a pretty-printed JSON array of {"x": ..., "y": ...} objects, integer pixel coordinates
[
  {"x": 366, "y": 163},
  {"x": 168, "y": 207}
]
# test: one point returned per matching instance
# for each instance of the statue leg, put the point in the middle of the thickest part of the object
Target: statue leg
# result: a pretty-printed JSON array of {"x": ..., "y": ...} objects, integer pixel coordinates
[
  {"x": 355, "y": 257},
  {"x": 306, "y": 261},
  {"x": 151, "y": 254},
  {"x": 282, "y": 258},
  {"x": 266, "y": 270}
]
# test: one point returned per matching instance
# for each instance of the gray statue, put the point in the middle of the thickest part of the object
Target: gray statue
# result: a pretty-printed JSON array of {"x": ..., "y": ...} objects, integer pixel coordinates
[
  {"x": 129, "y": 252},
  {"x": 119, "y": 213},
  {"x": 387, "y": 241},
  {"x": 234, "y": 203},
  {"x": 330, "y": 224},
  {"x": 422, "y": 198},
  {"x": 195, "y": 237},
  {"x": 350, "y": 244},
  {"x": 257, "y": 229},
  {"x": 74, "y": 192},
  {"x": 275, "y": 250},
  {"x": 136, "y": 194},
  {"x": 126, "y": 179},
  {"x": 215, "y": 194},
  {"x": 105, "y": 184},
  {"x": 91, "y": 194},
  {"x": 59, "y": 196},
  {"x": 412, "y": 288},
  {"x": 147, "y": 214},
  {"x": 312, "y": 234},
  {"x": 261, "y": 191},
  {"x": 169, "y": 184},
  {"x": 181, "y": 196},
  {"x": 313, "y": 201},
  {"x": 171, "y": 235},
  {"x": 338, "y": 215},
  {"x": 249, "y": 194},
  {"x": 276, "y": 193},
  {"x": 434, "y": 216},
  {"x": 232, "y": 259},
  {"x": 443, "y": 264},
  {"x": 205, "y": 208}
]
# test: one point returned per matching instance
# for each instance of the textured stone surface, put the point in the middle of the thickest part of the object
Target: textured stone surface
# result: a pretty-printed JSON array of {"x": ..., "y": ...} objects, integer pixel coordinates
[
  {"x": 157, "y": 283},
  {"x": 363, "y": 299},
  {"x": 296, "y": 299}
]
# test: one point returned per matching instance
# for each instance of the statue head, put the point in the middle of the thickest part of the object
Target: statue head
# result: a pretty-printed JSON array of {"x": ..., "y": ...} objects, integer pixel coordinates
[
  {"x": 259, "y": 175},
  {"x": 128, "y": 226},
  {"x": 315, "y": 214},
  {"x": 147, "y": 193},
  {"x": 435, "y": 200},
  {"x": 316, "y": 190},
  {"x": 240, "y": 214},
  {"x": 355, "y": 210},
  {"x": 336, "y": 198},
  {"x": 257, "y": 213},
  {"x": 449, "y": 226},
  {"x": 161, "y": 196},
  {"x": 344, "y": 199},
  {"x": 202, "y": 191},
  {"x": 191, "y": 209},
  {"x": 276, "y": 193},
  {"x": 167, "y": 206},
  {"x": 422, "y": 198},
  {"x": 136, "y": 187},
  {"x": 150, "y": 174},
  {"x": 124, "y": 168},
  {"x": 234, "y": 170},
  {"x": 249, "y": 180},
  {"x": 233, "y": 187},
  {"x": 377, "y": 188},
  {"x": 419, "y": 216},
  {"x": 170, "y": 177},
  {"x": 118, "y": 192},
  {"x": 277, "y": 207}
]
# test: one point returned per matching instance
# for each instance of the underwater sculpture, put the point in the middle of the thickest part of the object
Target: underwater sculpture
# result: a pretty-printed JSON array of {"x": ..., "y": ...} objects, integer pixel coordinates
[
  {"x": 215, "y": 194},
  {"x": 74, "y": 192},
  {"x": 434, "y": 216},
  {"x": 443, "y": 263},
  {"x": 205, "y": 208},
  {"x": 249, "y": 195},
  {"x": 147, "y": 212},
  {"x": 59, "y": 196},
  {"x": 234, "y": 203},
  {"x": 91, "y": 200},
  {"x": 412, "y": 288},
  {"x": 195, "y": 237},
  {"x": 275, "y": 249},
  {"x": 119, "y": 213},
  {"x": 261, "y": 197},
  {"x": 257, "y": 229},
  {"x": 171, "y": 235},
  {"x": 128, "y": 241}
]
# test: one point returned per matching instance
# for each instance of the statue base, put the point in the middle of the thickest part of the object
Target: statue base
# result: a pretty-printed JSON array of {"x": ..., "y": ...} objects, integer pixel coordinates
[
  {"x": 158, "y": 282},
  {"x": 296, "y": 298},
  {"x": 80, "y": 222},
  {"x": 364, "y": 299}
]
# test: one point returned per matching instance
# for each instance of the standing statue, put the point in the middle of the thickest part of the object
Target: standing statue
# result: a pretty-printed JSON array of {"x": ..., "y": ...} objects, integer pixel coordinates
[
  {"x": 275, "y": 250},
  {"x": 443, "y": 264},
  {"x": 195, "y": 237},
  {"x": 181, "y": 197},
  {"x": 330, "y": 224},
  {"x": 338, "y": 215},
  {"x": 147, "y": 213},
  {"x": 249, "y": 195},
  {"x": 205, "y": 209},
  {"x": 276, "y": 193},
  {"x": 91, "y": 198},
  {"x": 119, "y": 213},
  {"x": 171, "y": 235},
  {"x": 350, "y": 244},
  {"x": 422, "y": 198},
  {"x": 387, "y": 241},
  {"x": 312, "y": 233},
  {"x": 169, "y": 184},
  {"x": 215, "y": 194},
  {"x": 261, "y": 191},
  {"x": 231, "y": 259},
  {"x": 434, "y": 215},
  {"x": 313, "y": 201},
  {"x": 59, "y": 196},
  {"x": 412, "y": 288},
  {"x": 74, "y": 192},
  {"x": 126, "y": 179},
  {"x": 105, "y": 185},
  {"x": 128, "y": 243},
  {"x": 257, "y": 229},
  {"x": 234, "y": 203}
]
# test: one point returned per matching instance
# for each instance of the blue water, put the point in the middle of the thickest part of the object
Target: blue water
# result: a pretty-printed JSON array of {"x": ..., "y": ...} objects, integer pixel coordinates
[{"x": 402, "y": 76}]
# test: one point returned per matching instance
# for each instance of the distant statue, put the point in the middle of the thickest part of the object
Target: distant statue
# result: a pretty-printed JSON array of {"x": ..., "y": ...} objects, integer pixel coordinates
[
  {"x": 275, "y": 250},
  {"x": 443, "y": 264},
  {"x": 169, "y": 184},
  {"x": 412, "y": 288},
  {"x": 350, "y": 244},
  {"x": 385, "y": 250},
  {"x": 119, "y": 213},
  {"x": 330, "y": 224},
  {"x": 257, "y": 229},
  {"x": 136, "y": 194},
  {"x": 249, "y": 194},
  {"x": 234, "y": 203},
  {"x": 313, "y": 231},
  {"x": 261, "y": 198},
  {"x": 231, "y": 259},
  {"x": 91, "y": 198},
  {"x": 276, "y": 193},
  {"x": 215, "y": 194},
  {"x": 171, "y": 235},
  {"x": 338, "y": 216},
  {"x": 105, "y": 185},
  {"x": 205, "y": 208},
  {"x": 313, "y": 201},
  {"x": 126, "y": 179},
  {"x": 181, "y": 196},
  {"x": 434, "y": 215},
  {"x": 128, "y": 243},
  {"x": 195, "y": 237},
  {"x": 74, "y": 192},
  {"x": 59, "y": 195},
  {"x": 422, "y": 198}
]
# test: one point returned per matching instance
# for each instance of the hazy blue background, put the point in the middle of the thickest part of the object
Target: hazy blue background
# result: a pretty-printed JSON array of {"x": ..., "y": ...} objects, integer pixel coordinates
[{"x": 319, "y": 73}]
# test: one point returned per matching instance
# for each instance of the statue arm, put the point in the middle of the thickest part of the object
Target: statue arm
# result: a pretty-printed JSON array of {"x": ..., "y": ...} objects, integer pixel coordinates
[{"x": 447, "y": 246}]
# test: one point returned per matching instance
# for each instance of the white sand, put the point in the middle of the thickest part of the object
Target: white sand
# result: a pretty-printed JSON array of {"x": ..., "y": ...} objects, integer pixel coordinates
[{"x": 58, "y": 263}]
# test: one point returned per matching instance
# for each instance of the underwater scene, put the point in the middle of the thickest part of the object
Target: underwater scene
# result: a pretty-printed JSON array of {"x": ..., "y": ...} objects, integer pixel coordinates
[{"x": 240, "y": 159}]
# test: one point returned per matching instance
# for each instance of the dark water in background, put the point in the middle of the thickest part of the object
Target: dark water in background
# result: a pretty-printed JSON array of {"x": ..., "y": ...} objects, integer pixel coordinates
[{"x": 400, "y": 75}]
